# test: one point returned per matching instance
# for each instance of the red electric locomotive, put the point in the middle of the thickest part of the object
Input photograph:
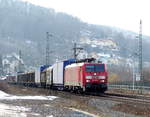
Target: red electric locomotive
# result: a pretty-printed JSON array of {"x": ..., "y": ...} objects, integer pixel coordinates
[{"x": 86, "y": 77}]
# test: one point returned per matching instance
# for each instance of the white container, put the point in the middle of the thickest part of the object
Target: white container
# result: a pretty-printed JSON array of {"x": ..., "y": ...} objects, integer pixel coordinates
[
  {"x": 58, "y": 74},
  {"x": 37, "y": 76},
  {"x": 49, "y": 76}
]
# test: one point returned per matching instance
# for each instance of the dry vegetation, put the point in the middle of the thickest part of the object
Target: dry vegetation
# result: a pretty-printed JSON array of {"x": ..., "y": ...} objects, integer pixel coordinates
[
  {"x": 125, "y": 74},
  {"x": 133, "y": 109}
]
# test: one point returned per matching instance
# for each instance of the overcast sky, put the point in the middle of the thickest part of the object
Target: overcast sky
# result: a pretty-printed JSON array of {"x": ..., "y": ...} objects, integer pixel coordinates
[{"x": 124, "y": 14}]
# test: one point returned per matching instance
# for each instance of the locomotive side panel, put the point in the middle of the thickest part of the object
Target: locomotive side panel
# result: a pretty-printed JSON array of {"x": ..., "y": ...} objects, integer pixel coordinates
[{"x": 72, "y": 76}]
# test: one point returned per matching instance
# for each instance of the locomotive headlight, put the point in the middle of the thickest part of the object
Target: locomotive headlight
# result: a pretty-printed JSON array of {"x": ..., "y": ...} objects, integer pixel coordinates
[
  {"x": 88, "y": 77},
  {"x": 102, "y": 80},
  {"x": 101, "y": 77},
  {"x": 87, "y": 80}
]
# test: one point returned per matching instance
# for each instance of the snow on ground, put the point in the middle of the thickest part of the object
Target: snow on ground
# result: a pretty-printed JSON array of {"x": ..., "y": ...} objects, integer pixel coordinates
[
  {"x": 5, "y": 96},
  {"x": 19, "y": 111},
  {"x": 12, "y": 111},
  {"x": 84, "y": 112}
]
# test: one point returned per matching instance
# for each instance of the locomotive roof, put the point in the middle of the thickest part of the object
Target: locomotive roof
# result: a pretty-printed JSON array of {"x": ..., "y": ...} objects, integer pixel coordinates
[
  {"x": 75, "y": 65},
  {"x": 80, "y": 64}
]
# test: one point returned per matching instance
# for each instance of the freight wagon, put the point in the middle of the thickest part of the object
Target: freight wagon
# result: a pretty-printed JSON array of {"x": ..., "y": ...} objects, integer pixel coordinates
[
  {"x": 86, "y": 77},
  {"x": 26, "y": 78},
  {"x": 11, "y": 79},
  {"x": 29, "y": 78},
  {"x": 43, "y": 79}
]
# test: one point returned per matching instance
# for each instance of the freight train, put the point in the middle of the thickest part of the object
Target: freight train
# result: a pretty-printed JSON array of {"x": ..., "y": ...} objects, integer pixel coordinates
[{"x": 71, "y": 75}]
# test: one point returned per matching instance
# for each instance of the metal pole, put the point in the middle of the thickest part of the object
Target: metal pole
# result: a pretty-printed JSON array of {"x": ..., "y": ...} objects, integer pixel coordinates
[
  {"x": 133, "y": 76},
  {"x": 20, "y": 57},
  {"x": 47, "y": 49},
  {"x": 140, "y": 54},
  {"x": 1, "y": 65},
  {"x": 75, "y": 50}
]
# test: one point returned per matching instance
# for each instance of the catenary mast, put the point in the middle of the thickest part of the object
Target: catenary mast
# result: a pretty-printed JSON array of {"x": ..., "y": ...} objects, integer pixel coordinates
[{"x": 140, "y": 53}]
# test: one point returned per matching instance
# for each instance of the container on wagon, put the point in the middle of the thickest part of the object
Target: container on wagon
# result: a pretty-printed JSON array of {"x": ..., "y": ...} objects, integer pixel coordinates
[
  {"x": 43, "y": 78},
  {"x": 43, "y": 67},
  {"x": 37, "y": 76},
  {"x": 58, "y": 74},
  {"x": 49, "y": 73}
]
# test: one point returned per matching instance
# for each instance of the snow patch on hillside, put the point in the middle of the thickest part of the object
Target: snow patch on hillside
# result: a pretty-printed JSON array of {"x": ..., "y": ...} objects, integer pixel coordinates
[{"x": 98, "y": 42}]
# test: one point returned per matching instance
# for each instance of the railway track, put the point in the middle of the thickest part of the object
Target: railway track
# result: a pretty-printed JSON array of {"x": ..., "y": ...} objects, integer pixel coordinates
[
  {"x": 126, "y": 98},
  {"x": 129, "y": 96},
  {"x": 130, "y": 99}
]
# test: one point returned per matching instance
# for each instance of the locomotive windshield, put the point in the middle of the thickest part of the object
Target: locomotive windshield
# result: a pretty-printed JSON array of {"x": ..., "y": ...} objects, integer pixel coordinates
[
  {"x": 90, "y": 68},
  {"x": 95, "y": 68}
]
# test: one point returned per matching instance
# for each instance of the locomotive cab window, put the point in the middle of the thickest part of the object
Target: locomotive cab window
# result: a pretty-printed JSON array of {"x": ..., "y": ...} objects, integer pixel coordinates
[
  {"x": 99, "y": 68},
  {"x": 95, "y": 68},
  {"x": 90, "y": 68}
]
